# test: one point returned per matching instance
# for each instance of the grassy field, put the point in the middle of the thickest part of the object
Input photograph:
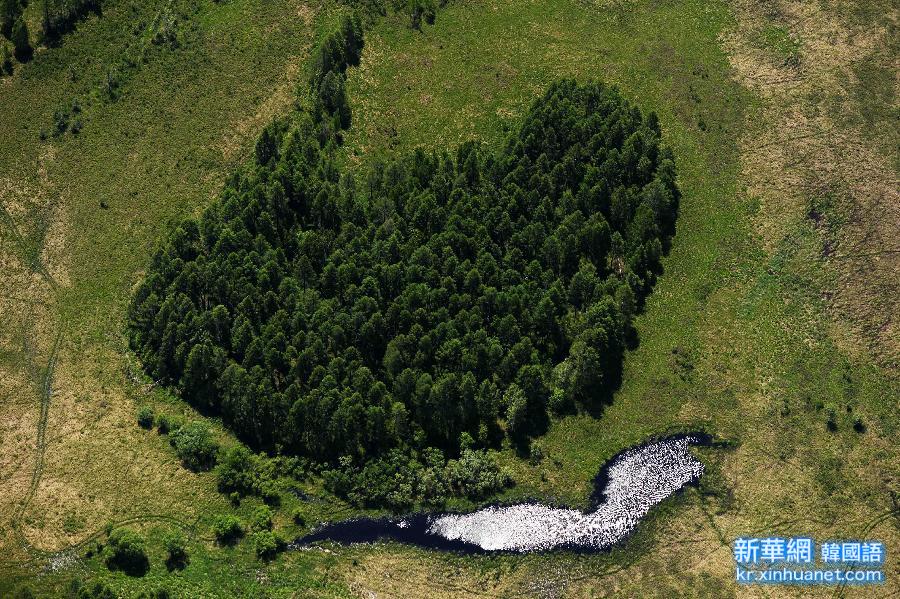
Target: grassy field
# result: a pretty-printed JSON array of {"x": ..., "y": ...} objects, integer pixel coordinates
[{"x": 775, "y": 309}]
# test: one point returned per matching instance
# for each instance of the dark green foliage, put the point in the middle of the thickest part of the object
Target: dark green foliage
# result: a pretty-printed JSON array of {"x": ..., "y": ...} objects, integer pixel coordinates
[
  {"x": 227, "y": 528},
  {"x": 9, "y": 13},
  {"x": 60, "y": 121},
  {"x": 21, "y": 43},
  {"x": 399, "y": 480},
  {"x": 125, "y": 551},
  {"x": 332, "y": 100},
  {"x": 145, "y": 417},
  {"x": 163, "y": 424},
  {"x": 351, "y": 32},
  {"x": 340, "y": 49},
  {"x": 831, "y": 417},
  {"x": 236, "y": 471},
  {"x": 241, "y": 473},
  {"x": 97, "y": 590},
  {"x": 176, "y": 550},
  {"x": 475, "y": 475},
  {"x": 261, "y": 518},
  {"x": 58, "y": 17},
  {"x": 420, "y": 10},
  {"x": 299, "y": 517},
  {"x": 6, "y": 55},
  {"x": 195, "y": 446},
  {"x": 326, "y": 315},
  {"x": 266, "y": 544},
  {"x": 24, "y": 592}
]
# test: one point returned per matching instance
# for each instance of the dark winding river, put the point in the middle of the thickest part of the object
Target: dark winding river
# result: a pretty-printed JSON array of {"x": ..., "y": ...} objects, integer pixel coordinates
[{"x": 625, "y": 490}]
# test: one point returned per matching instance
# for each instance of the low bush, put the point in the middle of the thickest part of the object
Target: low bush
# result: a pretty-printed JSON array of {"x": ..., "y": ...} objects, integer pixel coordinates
[
  {"x": 126, "y": 551},
  {"x": 145, "y": 417},
  {"x": 195, "y": 446},
  {"x": 261, "y": 518},
  {"x": 176, "y": 550},
  {"x": 227, "y": 529},
  {"x": 266, "y": 544}
]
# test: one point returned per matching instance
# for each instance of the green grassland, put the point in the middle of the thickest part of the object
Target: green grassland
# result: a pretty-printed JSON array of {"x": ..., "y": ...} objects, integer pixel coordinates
[{"x": 738, "y": 338}]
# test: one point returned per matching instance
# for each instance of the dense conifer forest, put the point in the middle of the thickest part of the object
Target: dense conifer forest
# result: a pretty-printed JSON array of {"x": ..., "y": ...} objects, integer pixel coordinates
[
  {"x": 271, "y": 285},
  {"x": 439, "y": 300}
]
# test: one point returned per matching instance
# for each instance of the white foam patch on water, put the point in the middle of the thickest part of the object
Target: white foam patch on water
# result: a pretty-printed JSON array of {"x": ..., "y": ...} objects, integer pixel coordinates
[{"x": 639, "y": 479}]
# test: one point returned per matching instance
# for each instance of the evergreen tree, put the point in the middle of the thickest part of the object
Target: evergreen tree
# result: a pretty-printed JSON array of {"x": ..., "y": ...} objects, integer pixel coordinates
[
  {"x": 9, "y": 14},
  {"x": 21, "y": 43}
]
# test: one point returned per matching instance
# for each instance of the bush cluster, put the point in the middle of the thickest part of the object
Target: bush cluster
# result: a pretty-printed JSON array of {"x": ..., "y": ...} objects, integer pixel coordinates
[
  {"x": 195, "y": 446},
  {"x": 400, "y": 480}
]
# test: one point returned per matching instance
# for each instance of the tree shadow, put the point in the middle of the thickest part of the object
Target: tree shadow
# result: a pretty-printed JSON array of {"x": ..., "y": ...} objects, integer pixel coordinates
[
  {"x": 136, "y": 566},
  {"x": 178, "y": 562}
]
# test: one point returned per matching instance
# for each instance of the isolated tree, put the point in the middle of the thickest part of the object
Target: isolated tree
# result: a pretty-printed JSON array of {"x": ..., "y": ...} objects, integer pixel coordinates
[
  {"x": 195, "y": 446},
  {"x": 126, "y": 551},
  {"x": 176, "y": 550},
  {"x": 21, "y": 43}
]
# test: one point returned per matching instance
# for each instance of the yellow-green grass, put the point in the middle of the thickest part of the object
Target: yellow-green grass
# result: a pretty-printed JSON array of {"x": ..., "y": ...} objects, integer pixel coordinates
[
  {"x": 737, "y": 338},
  {"x": 81, "y": 213},
  {"x": 755, "y": 347}
]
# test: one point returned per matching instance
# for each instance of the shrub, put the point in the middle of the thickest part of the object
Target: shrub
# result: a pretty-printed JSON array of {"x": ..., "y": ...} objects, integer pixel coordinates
[
  {"x": 6, "y": 66},
  {"x": 60, "y": 122},
  {"x": 476, "y": 475},
  {"x": 9, "y": 12},
  {"x": 98, "y": 590},
  {"x": 831, "y": 417},
  {"x": 126, "y": 551},
  {"x": 261, "y": 518},
  {"x": 195, "y": 446},
  {"x": 236, "y": 471},
  {"x": 298, "y": 517},
  {"x": 24, "y": 592},
  {"x": 145, "y": 417},
  {"x": 176, "y": 548},
  {"x": 21, "y": 43},
  {"x": 266, "y": 544},
  {"x": 166, "y": 424},
  {"x": 227, "y": 528}
]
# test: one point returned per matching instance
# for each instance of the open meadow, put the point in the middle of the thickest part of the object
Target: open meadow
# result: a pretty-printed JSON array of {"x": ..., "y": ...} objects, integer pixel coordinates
[{"x": 774, "y": 325}]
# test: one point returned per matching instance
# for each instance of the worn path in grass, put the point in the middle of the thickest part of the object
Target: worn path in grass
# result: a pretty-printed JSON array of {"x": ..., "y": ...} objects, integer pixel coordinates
[{"x": 80, "y": 214}]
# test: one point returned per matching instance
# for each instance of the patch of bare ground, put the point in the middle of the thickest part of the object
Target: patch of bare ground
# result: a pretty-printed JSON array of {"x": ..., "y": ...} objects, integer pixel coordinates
[{"x": 808, "y": 155}]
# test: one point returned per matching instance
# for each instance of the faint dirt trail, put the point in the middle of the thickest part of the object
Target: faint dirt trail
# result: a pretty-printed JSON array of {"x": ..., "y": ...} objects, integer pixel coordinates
[{"x": 46, "y": 393}]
